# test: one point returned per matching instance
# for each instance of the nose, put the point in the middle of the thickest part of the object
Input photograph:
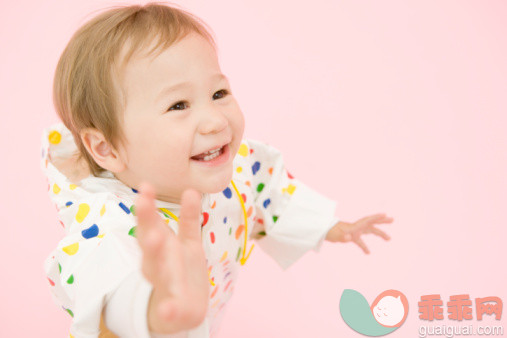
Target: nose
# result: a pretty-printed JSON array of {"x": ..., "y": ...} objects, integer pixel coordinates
[{"x": 212, "y": 122}]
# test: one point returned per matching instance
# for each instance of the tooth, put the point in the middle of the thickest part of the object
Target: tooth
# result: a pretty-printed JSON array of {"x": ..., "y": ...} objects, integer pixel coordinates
[{"x": 211, "y": 156}]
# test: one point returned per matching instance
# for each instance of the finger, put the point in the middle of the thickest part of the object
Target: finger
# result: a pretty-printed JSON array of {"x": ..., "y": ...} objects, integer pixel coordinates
[
  {"x": 146, "y": 212},
  {"x": 380, "y": 233},
  {"x": 145, "y": 208},
  {"x": 189, "y": 226},
  {"x": 152, "y": 256},
  {"x": 152, "y": 243},
  {"x": 361, "y": 244},
  {"x": 373, "y": 219},
  {"x": 150, "y": 232},
  {"x": 386, "y": 219}
]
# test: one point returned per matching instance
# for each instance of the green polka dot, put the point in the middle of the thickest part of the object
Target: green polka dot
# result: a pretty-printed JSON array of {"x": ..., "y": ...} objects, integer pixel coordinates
[
  {"x": 70, "y": 312},
  {"x": 237, "y": 256},
  {"x": 260, "y": 187},
  {"x": 132, "y": 231},
  {"x": 230, "y": 231},
  {"x": 70, "y": 280},
  {"x": 59, "y": 268},
  {"x": 275, "y": 218},
  {"x": 262, "y": 233},
  {"x": 133, "y": 209}
]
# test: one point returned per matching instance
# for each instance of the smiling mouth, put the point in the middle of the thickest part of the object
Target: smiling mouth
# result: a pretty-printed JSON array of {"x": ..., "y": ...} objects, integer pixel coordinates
[{"x": 209, "y": 155}]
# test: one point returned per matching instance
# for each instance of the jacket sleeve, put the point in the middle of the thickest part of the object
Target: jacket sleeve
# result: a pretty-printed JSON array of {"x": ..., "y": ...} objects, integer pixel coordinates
[
  {"x": 126, "y": 311},
  {"x": 89, "y": 263},
  {"x": 291, "y": 218}
]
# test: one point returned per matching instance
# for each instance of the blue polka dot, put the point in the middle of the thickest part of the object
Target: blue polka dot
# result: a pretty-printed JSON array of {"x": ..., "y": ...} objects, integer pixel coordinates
[
  {"x": 227, "y": 192},
  {"x": 256, "y": 166},
  {"x": 134, "y": 190},
  {"x": 68, "y": 204},
  {"x": 124, "y": 208},
  {"x": 90, "y": 232},
  {"x": 266, "y": 203},
  {"x": 225, "y": 219}
]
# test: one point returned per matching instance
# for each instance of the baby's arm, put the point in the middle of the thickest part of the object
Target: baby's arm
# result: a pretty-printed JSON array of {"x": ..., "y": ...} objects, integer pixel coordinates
[
  {"x": 291, "y": 218},
  {"x": 174, "y": 264}
]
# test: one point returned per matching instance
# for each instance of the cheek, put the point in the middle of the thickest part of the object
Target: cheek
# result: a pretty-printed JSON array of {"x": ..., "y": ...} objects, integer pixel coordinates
[
  {"x": 237, "y": 121},
  {"x": 161, "y": 151}
]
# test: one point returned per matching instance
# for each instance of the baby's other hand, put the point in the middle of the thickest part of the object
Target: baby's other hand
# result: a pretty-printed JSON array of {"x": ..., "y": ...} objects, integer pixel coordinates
[{"x": 347, "y": 232}]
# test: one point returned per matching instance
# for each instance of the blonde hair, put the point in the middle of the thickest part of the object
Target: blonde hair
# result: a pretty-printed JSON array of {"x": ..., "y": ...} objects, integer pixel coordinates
[{"x": 85, "y": 90}]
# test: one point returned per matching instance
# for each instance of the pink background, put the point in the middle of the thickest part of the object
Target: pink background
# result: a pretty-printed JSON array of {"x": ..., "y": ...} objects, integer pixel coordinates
[{"x": 385, "y": 106}]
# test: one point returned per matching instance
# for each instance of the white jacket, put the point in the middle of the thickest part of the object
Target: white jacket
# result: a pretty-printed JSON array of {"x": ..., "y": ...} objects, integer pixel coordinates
[{"x": 97, "y": 263}]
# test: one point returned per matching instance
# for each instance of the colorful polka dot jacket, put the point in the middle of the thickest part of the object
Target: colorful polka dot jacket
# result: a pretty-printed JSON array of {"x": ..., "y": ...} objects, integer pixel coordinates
[{"x": 285, "y": 218}]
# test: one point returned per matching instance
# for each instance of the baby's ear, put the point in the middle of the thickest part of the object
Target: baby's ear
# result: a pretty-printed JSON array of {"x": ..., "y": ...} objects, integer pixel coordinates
[{"x": 101, "y": 151}]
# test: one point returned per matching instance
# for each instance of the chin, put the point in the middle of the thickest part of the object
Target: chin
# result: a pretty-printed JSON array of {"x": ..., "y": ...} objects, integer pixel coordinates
[{"x": 218, "y": 184}]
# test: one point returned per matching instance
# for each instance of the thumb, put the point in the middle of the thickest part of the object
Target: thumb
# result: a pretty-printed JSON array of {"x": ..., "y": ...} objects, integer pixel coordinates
[{"x": 189, "y": 226}]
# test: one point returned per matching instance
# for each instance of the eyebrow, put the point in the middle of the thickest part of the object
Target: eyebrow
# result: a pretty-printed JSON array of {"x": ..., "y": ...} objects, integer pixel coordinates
[{"x": 175, "y": 87}]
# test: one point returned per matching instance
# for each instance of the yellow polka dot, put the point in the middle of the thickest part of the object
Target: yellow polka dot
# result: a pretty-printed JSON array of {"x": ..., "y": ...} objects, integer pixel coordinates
[
  {"x": 239, "y": 169},
  {"x": 224, "y": 256},
  {"x": 166, "y": 221},
  {"x": 82, "y": 212},
  {"x": 71, "y": 249},
  {"x": 56, "y": 188},
  {"x": 103, "y": 210},
  {"x": 243, "y": 150},
  {"x": 72, "y": 186},
  {"x": 100, "y": 236},
  {"x": 290, "y": 189},
  {"x": 54, "y": 137}
]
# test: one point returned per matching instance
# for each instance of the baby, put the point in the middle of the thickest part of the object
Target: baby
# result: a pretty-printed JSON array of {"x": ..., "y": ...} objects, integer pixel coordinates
[{"x": 155, "y": 186}]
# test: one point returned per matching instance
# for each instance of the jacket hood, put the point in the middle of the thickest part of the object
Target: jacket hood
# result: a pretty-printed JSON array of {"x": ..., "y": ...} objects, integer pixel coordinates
[{"x": 70, "y": 180}]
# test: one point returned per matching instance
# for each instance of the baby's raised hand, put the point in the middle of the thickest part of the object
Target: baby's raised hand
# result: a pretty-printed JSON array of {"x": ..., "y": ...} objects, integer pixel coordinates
[
  {"x": 346, "y": 232},
  {"x": 174, "y": 264}
]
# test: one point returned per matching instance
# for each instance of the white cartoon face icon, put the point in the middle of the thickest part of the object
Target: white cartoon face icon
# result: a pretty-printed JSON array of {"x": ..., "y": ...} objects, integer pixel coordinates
[
  {"x": 389, "y": 311},
  {"x": 390, "y": 308}
]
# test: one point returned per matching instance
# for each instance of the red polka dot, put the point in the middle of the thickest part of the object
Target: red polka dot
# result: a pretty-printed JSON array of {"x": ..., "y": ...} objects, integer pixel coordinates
[
  {"x": 212, "y": 237},
  {"x": 205, "y": 216},
  {"x": 51, "y": 282},
  {"x": 244, "y": 197}
]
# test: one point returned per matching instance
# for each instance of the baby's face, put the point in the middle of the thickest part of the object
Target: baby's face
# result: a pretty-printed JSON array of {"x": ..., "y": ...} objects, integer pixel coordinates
[{"x": 179, "y": 106}]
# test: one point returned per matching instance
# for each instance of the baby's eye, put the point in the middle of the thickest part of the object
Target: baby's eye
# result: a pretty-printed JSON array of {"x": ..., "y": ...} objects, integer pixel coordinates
[
  {"x": 222, "y": 93},
  {"x": 178, "y": 106}
]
